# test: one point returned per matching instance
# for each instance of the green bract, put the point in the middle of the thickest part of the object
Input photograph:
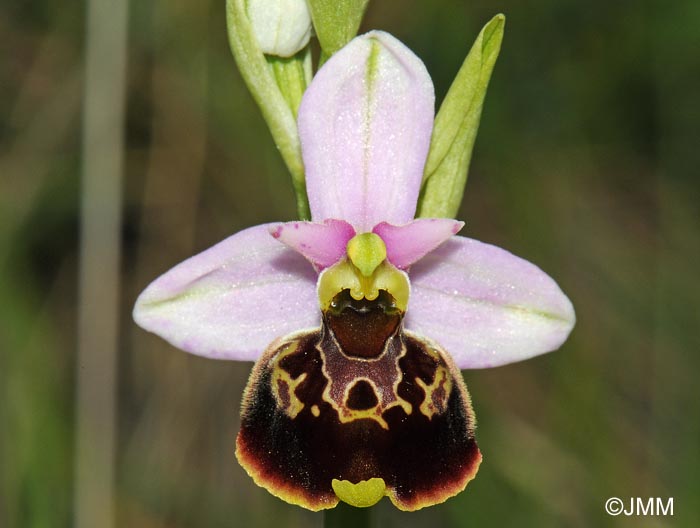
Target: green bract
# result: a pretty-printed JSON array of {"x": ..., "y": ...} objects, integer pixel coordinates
[
  {"x": 336, "y": 22},
  {"x": 456, "y": 125}
]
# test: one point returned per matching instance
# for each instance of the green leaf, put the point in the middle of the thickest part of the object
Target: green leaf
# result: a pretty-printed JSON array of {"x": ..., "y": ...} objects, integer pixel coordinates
[
  {"x": 456, "y": 124},
  {"x": 336, "y": 22},
  {"x": 278, "y": 108}
]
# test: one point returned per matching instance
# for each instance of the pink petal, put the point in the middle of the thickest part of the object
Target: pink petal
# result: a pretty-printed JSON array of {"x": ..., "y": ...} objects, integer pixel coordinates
[
  {"x": 364, "y": 124},
  {"x": 485, "y": 306},
  {"x": 322, "y": 244},
  {"x": 233, "y": 299},
  {"x": 407, "y": 243}
]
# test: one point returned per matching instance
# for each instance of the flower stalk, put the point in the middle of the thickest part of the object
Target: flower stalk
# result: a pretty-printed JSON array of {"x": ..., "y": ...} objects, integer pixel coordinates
[{"x": 345, "y": 516}]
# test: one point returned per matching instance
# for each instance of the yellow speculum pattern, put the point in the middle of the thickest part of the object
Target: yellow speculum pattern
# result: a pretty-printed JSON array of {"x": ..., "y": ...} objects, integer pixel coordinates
[
  {"x": 284, "y": 386},
  {"x": 386, "y": 400},
  {"x": 435, "y": 402}
]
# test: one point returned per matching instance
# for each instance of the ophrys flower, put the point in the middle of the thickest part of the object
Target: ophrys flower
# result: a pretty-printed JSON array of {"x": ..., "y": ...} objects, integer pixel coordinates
[{"x": 369, "y": 312}]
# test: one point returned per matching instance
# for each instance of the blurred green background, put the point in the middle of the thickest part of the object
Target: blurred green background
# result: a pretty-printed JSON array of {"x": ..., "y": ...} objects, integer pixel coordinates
[{"x": 586, "y": 164}]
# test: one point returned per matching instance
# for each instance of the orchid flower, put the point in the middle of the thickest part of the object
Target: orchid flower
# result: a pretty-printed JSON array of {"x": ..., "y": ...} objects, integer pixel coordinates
[{"x": 360, "y": 319}]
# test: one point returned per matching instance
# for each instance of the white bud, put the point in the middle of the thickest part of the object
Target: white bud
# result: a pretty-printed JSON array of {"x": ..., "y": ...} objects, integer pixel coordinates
[{"x": 282, "y": 27}]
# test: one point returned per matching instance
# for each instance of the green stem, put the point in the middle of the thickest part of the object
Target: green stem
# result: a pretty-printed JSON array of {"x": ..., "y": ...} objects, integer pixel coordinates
[
  {"x": 345, "y": 516},
  {"x": 262, "y": 84}
]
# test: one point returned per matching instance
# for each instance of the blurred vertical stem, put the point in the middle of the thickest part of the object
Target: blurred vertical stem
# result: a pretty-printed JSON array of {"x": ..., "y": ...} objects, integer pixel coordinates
[
  {"x": 102, "y": 156},
  {"x": 344, "y": 516}
]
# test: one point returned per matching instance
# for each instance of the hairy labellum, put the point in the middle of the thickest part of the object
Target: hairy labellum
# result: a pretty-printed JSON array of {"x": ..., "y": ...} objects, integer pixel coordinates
[{"x": 356, "y": 410}]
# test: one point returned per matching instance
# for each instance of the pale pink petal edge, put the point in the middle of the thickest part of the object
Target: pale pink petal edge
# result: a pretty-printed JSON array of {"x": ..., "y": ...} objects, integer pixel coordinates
[
  {"x": 486, "y": 306},
  {"x": 322, "y": 244},
  {"x": 365, "y": 124},
  {"x": 406, "y": 244},
  {"x": 233, "y": 299}
]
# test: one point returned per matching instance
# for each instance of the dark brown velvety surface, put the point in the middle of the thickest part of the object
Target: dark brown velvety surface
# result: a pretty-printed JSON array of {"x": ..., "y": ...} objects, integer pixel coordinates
[{"x": 387, "y": 424}]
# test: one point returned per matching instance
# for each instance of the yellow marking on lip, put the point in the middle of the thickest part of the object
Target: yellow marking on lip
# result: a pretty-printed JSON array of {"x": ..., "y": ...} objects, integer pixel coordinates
[
  {"x": 363, "y": 494},
  {"x": 429, "y": 407},
  {"x": 347, "y": 415},
  {"x": 295, "y": 405}
]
